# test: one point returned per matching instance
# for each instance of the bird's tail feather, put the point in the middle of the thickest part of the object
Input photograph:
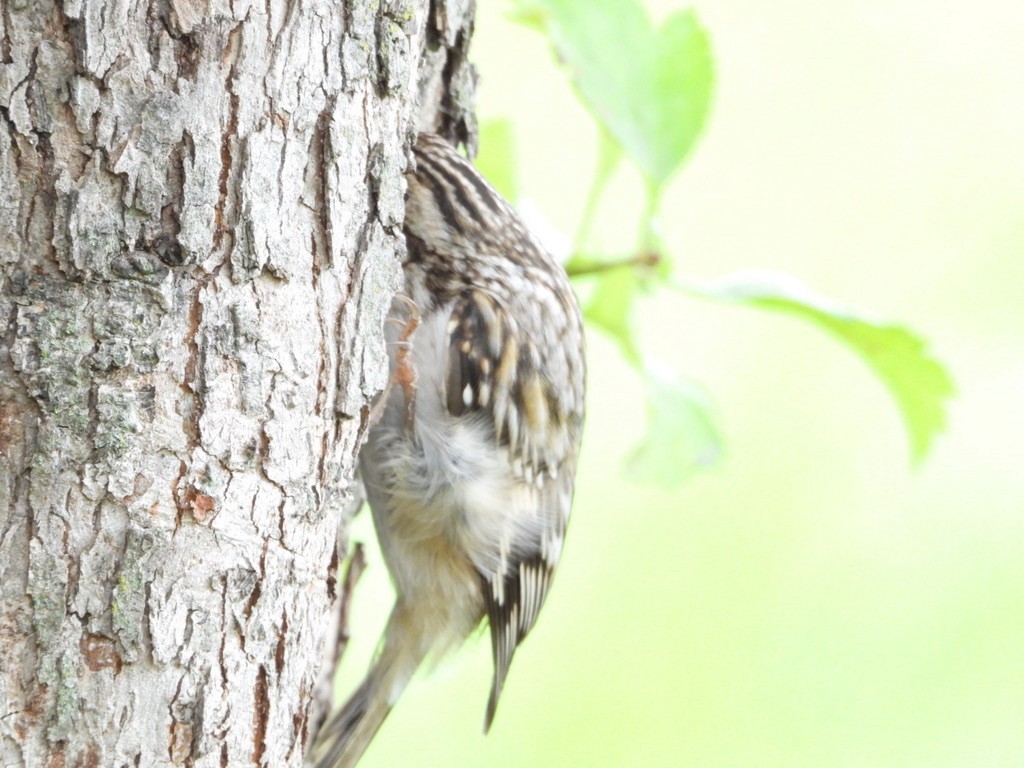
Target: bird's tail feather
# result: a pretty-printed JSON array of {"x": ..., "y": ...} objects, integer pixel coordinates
[
  {"x": 346, "y": 735},
  {"x": 344, "y": 738}
]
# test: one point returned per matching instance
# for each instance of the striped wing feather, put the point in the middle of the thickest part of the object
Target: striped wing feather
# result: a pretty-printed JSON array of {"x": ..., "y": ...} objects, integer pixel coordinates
[{"x": 482, "y": 379}]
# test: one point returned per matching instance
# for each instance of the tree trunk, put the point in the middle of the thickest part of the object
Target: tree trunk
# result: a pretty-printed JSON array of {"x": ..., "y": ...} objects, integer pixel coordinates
[{"x": 201, "y": 205}]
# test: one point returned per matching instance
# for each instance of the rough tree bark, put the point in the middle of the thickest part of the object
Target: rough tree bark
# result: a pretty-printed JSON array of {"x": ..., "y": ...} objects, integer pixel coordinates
[{"x": 200, "y": 227}]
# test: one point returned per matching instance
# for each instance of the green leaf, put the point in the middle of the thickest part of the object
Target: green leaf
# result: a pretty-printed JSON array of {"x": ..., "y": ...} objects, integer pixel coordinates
[
  {"x": 650, "y": 88},
  {"x": 682, "y": 434},
  {"x": 610, "y": 308},
  {"x": 496, "y": 159},
  {"x": 918, "y": 382}
]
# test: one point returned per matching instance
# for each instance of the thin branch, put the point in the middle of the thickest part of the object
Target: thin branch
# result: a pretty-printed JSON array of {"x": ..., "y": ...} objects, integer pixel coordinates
[{"x": 583, "y": 266}]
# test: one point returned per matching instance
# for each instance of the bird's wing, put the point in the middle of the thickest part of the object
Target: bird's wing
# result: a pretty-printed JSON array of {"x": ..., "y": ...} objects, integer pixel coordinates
[{"x": 496, "y": 370}]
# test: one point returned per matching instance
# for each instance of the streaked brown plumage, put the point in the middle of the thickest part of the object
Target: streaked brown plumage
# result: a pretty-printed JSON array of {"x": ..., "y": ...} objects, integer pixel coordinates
[{"x": 470, "y": 470}]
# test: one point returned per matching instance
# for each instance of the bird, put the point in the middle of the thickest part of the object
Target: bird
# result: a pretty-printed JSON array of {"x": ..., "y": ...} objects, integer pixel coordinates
[{"x": 469, "y": 466}]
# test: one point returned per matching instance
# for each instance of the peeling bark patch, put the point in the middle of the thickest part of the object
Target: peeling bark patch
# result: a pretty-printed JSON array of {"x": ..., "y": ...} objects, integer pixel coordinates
[
  {"x": 100, "y": 653},
  {"x": 202, "y": 505},
  {"x": 180, "y": 747},
  {"x": 260, "y": 716}
]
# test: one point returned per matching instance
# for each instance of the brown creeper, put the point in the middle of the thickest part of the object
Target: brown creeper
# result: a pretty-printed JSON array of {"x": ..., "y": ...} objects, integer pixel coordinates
[{"x": 469, "y": 471}]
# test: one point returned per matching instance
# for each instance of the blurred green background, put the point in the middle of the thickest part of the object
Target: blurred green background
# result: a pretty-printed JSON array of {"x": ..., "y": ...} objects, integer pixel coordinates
[{"x": 813, "y": 601}]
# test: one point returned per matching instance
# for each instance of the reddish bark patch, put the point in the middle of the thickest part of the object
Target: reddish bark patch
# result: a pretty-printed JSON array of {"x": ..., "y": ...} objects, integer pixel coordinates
[
  {"x": 100, "y": 653},
  {"x": 31, "y": 714},
  {"x": 201, "y": 504},
  {"x": 89, "y": 759},
  {"x": 56, "y": 758},
  {"x": 181, "y": 742}
]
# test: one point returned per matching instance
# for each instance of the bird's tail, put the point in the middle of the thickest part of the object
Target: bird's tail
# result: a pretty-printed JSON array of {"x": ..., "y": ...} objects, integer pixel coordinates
[{"x": 346, "y": 735}]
